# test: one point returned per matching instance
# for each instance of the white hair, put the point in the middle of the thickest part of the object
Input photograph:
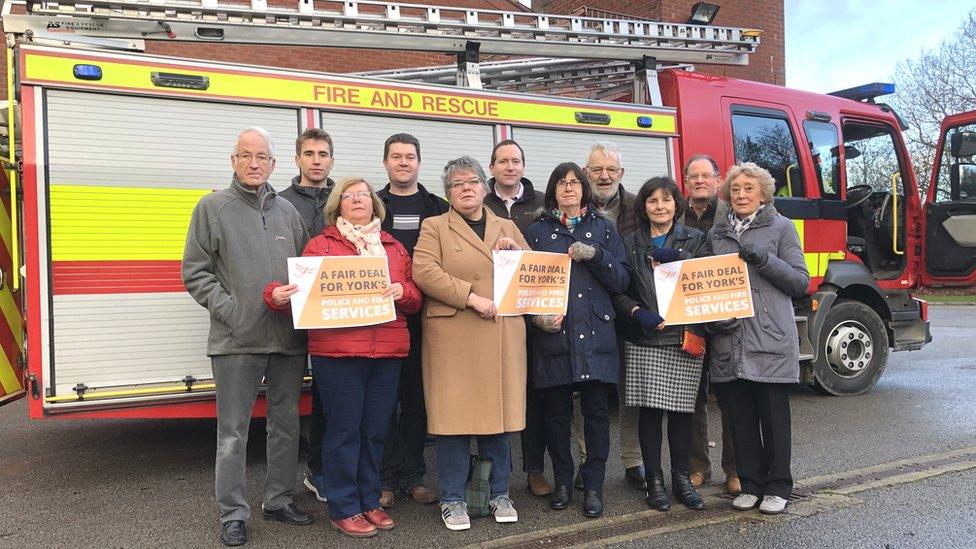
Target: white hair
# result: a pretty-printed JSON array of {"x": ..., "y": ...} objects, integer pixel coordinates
[
  {"x": 608, "y": 148},
  {"x": 260, "y": 131}
]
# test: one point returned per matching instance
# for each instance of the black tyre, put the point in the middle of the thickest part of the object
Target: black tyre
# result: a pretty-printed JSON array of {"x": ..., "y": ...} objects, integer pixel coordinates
[{"x": 853, "y": 347}]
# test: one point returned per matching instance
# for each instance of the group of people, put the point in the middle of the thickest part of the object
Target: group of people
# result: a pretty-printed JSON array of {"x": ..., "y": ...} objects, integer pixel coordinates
[{"x": 451, "y": 367}]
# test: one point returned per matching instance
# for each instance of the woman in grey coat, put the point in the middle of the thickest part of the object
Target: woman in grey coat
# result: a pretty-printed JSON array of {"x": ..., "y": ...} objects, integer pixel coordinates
[{"x": 753, "y": 361}]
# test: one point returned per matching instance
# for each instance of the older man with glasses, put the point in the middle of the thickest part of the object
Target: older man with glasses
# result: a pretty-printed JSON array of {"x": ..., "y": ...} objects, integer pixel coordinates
[
  {"x": 604, "y": 171},
  {"x": 247, "y": 344}
]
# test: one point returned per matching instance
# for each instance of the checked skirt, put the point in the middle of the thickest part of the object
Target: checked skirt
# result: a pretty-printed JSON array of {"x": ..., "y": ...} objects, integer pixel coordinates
[{"x": 663, "y": 377}]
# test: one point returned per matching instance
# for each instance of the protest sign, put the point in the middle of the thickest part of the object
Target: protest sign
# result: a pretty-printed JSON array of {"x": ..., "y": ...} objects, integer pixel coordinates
[
  {"x": 707, "y": 289},
  {"x": 340, "y": 291},
  {"x": 534, "y": 283}
]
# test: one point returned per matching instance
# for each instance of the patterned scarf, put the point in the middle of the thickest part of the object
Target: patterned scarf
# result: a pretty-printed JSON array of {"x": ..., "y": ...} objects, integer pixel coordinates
[
  {"x": 740, "y": 225},
  {"x": 366, "y": 237},
  {"x": 569, "y": 222}
]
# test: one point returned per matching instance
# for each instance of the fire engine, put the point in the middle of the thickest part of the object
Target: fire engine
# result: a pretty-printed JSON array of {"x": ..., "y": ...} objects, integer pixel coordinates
[{"x": 110, "y": 149}]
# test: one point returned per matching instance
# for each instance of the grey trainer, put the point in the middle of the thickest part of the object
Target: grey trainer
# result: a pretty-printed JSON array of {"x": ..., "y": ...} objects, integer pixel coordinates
[
  {"x": 503, "y": 509},
  {"x": 455, "y": 515}
]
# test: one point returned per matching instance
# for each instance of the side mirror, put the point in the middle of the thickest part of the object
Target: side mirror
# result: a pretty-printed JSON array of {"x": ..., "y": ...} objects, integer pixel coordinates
[
  {"x": 962, "y": 144},
  {"x": 962, "y": 182},
  {"x": 850, "y": 151}
]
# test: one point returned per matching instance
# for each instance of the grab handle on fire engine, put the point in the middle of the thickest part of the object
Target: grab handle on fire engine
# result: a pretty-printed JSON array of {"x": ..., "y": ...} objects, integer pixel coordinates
[
  {"x": 789, "y": 180},
  {"x": 12, "y": 175},
  {"x": 894, "y": 214}
]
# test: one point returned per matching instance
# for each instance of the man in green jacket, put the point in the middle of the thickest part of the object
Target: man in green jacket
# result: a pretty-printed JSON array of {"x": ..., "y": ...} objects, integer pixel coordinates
[{"x": 238, "y": 241}]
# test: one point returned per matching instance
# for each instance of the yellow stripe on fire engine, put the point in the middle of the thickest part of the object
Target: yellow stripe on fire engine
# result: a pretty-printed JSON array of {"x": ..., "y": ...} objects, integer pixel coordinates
[
  {"x": 8, "y": 378},
  {"x": 817, "y": 262},
  {"x": 90, "y": 223},
  {"x": 48, "y": 67}
]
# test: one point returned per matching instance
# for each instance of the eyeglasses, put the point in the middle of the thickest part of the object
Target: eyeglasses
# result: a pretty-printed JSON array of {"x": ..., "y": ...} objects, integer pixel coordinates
[
  {"x": 465, "y": 183},
  {"x": 707, "y": 175},
  {"x": 248, "y": 157},
  {"x": 597, "y": 170},
  {"x": 363, "y": 195},
  {"x": 563, "y": 183}
]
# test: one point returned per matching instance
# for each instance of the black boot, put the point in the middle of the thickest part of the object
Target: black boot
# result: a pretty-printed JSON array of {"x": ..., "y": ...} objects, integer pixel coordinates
[
  {"x": 657, "y": 496},
  {"x": 684, "y": 491},
  {"x": 592, "y": 504},
  {"x": 561, "y": 497}
]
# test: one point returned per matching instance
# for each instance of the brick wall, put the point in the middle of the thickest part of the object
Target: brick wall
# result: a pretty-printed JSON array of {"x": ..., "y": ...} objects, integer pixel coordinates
[{"x": 768, "y": 64}]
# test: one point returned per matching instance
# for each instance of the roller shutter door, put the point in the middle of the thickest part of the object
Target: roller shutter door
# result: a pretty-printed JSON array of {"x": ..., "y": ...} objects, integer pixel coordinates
[
  {"x": 124, "y": 175},
  {"x": 643, "y": 157},
  {"x": 359, "y": 145}
]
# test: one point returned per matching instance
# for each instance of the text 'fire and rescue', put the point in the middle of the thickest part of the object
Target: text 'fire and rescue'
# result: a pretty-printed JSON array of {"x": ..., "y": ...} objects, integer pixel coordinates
[{"x": 390, "y": 99}]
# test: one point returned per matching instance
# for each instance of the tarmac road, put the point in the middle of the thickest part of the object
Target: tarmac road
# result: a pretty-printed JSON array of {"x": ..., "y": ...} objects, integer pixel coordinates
[{"x": 149, "y": 483}]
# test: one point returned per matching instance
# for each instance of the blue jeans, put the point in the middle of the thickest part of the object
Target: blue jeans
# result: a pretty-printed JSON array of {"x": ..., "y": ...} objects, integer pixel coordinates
[
  {"x": 453, "y": 463},
  {"x": 358, "y": 397}
]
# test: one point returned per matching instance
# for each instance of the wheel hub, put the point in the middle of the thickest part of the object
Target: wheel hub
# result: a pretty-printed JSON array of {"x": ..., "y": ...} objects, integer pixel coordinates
[{"x": 849, "y": 349}]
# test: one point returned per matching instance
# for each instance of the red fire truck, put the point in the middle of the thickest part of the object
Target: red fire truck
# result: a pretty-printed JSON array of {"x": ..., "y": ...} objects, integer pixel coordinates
[{"x": 114, "y": 148}]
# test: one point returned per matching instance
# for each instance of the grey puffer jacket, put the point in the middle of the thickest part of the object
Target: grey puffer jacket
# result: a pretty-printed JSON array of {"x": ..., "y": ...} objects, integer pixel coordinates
[
  {"x": 239, "y": 241},
  {"x": 763, "y": 348}
]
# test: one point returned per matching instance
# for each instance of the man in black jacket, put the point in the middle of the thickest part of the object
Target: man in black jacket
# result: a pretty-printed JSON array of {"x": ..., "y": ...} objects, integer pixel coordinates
[
  {"x": 308, "y": 192},
  {"x": 407, "y": 204},
  {"x": 513, "y": 197}
]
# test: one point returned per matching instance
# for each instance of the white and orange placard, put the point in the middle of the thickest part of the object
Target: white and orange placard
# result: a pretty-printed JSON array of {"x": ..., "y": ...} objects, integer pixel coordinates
[
  {"x": 703, "y": 290},
  {"x": 340, "y": 291},
  {"x": 535, "y": 283}
]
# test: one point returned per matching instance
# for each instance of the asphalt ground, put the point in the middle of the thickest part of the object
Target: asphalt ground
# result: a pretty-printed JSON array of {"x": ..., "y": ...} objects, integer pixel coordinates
[{"x": 149, "y": 483}]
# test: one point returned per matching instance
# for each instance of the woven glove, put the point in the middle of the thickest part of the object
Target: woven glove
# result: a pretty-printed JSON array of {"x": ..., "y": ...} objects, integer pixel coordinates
[
  {"x": 546, "y": 323},
  {"x": 648, "y": 319},
  {"x": 750, "y": 254},
  {"x": 582, "y": 252},
  {"x": 665, "y": 255}
]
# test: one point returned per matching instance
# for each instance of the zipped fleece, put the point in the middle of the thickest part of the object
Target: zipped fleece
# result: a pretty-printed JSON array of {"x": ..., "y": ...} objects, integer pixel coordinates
[{"x": 239, "y": 241}]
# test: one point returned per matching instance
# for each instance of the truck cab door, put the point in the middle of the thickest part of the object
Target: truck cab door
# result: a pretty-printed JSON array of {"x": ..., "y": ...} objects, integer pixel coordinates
[
  {"x": 11, "y": 365},
  {"x": 949, "y": 244}
]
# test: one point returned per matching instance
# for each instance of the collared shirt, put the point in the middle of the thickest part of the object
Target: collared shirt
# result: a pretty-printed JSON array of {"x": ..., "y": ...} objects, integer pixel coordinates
[{"x": 509, "y": 201}]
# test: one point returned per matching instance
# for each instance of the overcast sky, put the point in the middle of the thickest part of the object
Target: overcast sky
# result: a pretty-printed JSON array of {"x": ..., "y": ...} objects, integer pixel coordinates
[{"x": 837, "y": 44}]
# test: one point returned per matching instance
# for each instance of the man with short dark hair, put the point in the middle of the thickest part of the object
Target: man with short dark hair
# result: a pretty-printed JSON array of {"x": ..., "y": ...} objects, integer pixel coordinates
[
  {"x": 407, "y": 204},
  {"x": 228, "y": 230},
  {"x": 513, "y": 197},
  {"x": 308, "y": 192},
  {"x": 701, "y": 181}
]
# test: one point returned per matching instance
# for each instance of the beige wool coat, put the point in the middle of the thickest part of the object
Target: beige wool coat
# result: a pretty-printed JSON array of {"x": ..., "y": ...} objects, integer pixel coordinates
[{"x": 474, "y": 369}]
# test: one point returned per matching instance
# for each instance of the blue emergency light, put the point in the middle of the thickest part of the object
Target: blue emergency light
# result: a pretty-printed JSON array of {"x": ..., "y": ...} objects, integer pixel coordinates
[
  {"x": 87, "y": 72},
  {"x": 644, "y": 121},
  {"x": 866, "y": 92}
]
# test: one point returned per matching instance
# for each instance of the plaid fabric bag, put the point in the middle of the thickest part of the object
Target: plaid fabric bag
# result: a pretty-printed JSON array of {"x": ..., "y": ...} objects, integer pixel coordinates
[{"x": 477, "y": 491}]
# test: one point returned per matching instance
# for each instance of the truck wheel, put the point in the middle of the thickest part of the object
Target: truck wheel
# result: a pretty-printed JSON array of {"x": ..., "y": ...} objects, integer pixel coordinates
[{"x": 853, "y": 347}]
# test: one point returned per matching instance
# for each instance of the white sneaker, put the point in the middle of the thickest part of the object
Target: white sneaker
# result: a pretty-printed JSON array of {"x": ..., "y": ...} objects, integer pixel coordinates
[
  {"x": 772, "y": 505},
  {"x": 455, "y": 515},
  {"x": 503, "y": 509},
  {"x": 744, "y": 502}
]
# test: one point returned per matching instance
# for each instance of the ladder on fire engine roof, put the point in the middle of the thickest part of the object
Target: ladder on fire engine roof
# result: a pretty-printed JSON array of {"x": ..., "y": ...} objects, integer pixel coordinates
[{"x": 380, "y": 25}]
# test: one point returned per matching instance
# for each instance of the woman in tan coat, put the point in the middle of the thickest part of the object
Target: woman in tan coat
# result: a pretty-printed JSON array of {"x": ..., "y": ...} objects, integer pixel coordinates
[{"x": 474, "y": 362}]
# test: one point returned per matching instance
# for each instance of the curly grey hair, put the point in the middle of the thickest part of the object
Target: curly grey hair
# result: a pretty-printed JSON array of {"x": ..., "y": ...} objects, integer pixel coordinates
[
  {"x": 749, "y": 169},
  {"x": 463, "y": 164}
]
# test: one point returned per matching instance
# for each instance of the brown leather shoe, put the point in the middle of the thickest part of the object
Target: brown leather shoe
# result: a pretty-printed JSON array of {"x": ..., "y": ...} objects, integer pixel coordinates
[
  {"x": 379, "y": 519},
  {"x": 697, "y": 478},
  {"x": 356, "y": 526},
  {"x": 422, "y": 494},
  {"x": 538, "y": 485},
  {"x": 387, "y": 499},
  {"x": 733, "y": 485}
]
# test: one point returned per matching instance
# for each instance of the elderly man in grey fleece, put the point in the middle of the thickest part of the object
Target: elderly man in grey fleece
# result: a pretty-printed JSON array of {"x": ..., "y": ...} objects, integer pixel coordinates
[{"x": 238, "y": 241}]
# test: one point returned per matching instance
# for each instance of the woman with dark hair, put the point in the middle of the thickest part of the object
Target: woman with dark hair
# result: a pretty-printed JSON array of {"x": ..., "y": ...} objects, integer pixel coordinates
[
  {"x": 660, "y": 376},
  {"x": 578, "y": 350}
]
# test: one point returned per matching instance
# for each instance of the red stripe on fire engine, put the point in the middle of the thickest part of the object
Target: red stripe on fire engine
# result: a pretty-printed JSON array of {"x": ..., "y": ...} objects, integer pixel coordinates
[{"x": 116, "y": 277}]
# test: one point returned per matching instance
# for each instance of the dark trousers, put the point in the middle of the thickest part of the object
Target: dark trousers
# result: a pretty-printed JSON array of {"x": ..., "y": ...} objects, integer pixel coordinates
[
  {"x": 700, "y": 460},
  {"x": 650, "y": 433},
  {"x": 403, "y": 456},
  {"x": 316, "y": 432},
  {"x": 534, "y": 436},
  {"x": 558, "y": 406},
  {"x": 358, "y": 395},
  {"x": 761, "y": 434}
]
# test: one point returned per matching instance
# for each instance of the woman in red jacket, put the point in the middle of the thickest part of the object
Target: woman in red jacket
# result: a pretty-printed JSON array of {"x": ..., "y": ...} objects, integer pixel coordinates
[{"x": 357, "y": 369}]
